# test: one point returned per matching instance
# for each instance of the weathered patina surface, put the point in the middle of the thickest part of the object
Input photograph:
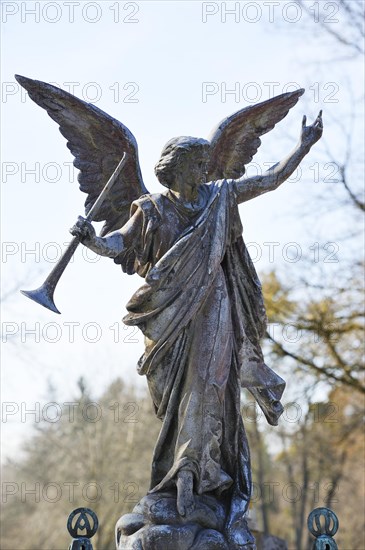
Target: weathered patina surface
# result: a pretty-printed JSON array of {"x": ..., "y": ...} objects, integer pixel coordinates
[{"x": 200, "y": 309}]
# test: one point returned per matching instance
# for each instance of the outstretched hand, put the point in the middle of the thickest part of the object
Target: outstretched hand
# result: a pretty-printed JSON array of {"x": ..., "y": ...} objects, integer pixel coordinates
[
  {"x": 83, "y": 230},
  {"x": 310, "y": 134}
]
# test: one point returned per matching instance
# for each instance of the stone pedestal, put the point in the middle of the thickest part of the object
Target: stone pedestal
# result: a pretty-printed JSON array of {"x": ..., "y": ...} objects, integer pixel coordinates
[{"x": 155, "y": 524}]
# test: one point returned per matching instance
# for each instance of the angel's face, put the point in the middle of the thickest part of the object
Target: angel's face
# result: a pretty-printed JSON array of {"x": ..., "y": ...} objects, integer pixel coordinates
[{"x": 193, "y": 167}]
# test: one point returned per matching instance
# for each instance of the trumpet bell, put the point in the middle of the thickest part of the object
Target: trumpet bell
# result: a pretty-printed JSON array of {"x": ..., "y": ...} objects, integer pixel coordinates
[{"x": 42, "y": 296}]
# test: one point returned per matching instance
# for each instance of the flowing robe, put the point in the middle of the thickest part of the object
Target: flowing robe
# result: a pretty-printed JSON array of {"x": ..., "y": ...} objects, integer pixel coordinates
[{"x": 202, "y": 315}]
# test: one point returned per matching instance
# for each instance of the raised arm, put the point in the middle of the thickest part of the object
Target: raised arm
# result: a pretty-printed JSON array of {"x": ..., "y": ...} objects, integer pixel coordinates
[{"x": 269, "y": 181}]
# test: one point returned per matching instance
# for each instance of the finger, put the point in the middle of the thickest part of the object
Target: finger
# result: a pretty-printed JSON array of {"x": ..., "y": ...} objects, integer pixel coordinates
[
  {"x": 79, "y": 234},
  {"x": 318, "y": 123},
  {"x": 319, "y": 117},
  {"x": 304, "y": 121}
]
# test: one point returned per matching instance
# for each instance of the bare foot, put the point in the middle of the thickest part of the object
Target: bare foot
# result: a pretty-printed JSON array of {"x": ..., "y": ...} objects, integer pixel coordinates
[{"x": 185, "y": 497}]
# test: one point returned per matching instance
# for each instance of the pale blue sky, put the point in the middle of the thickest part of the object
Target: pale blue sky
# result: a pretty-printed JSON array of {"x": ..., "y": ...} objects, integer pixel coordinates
[{"x": 166, "y": 57}]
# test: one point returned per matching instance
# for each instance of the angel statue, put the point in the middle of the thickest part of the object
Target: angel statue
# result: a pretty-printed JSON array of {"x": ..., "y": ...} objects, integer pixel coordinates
[{"x": 200, "y": 308}]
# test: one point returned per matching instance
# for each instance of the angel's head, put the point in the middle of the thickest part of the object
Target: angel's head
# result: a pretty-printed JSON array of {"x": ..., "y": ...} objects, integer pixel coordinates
[{"x": 183, "y": 156}]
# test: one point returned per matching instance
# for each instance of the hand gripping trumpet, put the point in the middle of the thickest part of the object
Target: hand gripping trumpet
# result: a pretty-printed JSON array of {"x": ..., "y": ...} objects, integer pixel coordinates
[{"x": 44, "y": 294}]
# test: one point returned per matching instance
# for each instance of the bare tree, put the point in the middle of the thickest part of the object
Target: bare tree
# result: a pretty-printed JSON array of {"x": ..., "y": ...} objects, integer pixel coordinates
[{"x": 342, "y": 24}]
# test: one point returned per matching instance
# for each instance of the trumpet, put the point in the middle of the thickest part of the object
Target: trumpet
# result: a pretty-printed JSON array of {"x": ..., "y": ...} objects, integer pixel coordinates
[{"x": 44, "y": 294}]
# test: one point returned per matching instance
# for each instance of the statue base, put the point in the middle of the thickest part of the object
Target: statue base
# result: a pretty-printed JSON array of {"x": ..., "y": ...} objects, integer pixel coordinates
[{"x": 155, "y": 524}]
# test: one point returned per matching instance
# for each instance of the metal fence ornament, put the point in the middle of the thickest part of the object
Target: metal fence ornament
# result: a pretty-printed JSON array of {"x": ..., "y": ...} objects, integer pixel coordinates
[
  {"x": 86, "y": 520},
  {"x": 323, "y": 529}
]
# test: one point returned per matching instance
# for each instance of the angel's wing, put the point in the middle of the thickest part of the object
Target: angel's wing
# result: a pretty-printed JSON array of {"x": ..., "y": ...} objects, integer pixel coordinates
[
  {"x": 97, "y": 141},
  {"x": 236, "y": 139}
]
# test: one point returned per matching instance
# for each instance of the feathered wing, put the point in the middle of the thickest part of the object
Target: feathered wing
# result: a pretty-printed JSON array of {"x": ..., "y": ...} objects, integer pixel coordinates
[
  {"x": 97, "y": 141},
  {"x": 236, "y": 139}
]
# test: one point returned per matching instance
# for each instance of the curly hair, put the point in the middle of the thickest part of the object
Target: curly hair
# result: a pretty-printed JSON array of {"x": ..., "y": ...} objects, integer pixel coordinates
[{"x": 171, "y": 156}]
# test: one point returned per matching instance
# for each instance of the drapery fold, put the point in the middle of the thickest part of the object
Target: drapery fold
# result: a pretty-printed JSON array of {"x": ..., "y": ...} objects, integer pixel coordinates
[{"x": 202, "y": 314}]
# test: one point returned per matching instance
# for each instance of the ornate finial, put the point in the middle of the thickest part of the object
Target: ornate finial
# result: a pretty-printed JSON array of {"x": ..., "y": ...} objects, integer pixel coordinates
[
  {"x": 325, "y": 530},
  {"x": 82, "y": 523}
]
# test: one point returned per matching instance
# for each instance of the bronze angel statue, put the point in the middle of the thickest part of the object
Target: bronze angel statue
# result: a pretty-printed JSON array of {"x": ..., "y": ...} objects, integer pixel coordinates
[{"x": 200, "y": 308}]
